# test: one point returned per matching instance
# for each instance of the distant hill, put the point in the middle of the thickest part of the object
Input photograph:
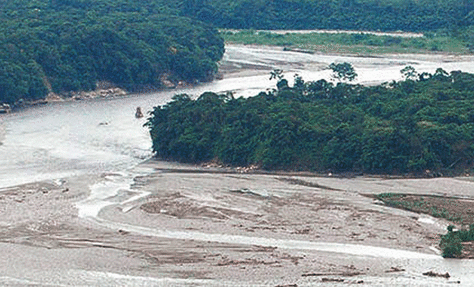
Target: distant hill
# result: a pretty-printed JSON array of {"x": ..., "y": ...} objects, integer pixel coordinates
[
  {"x": 386, "y": 15},
  {"x": 70, "y": 45}
]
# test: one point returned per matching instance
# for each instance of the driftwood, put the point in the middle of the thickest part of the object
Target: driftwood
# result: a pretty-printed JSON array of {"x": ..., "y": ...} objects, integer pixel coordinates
[{"x": 434, "y": 274}]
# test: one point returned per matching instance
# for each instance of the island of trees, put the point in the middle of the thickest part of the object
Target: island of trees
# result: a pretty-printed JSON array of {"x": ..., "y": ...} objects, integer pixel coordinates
[
  {"x": 70, "y": 45},
  {"x": 423, "y": 124}
]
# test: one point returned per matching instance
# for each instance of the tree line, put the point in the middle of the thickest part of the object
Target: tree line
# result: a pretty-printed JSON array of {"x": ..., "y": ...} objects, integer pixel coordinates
[
  {"x": 424, "y": 122},
  {"x": 70, "y": 45},
  {"x": 387, "y": 15}
]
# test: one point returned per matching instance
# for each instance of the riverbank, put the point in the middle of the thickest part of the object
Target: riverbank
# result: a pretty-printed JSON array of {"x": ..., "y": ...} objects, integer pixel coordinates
[
  {"x": 230, "y": 228},
  {"x": 350, "y": 42},
  {"x": 457, "y": 210},
  {"x": 255, "y": 62},
  {"x": 259, "y": 60}
]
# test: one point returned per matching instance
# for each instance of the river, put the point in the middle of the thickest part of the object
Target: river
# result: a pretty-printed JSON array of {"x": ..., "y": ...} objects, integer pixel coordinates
[
  {"x": 101, "y": 136},
  {"x": 70, "y": 138}
]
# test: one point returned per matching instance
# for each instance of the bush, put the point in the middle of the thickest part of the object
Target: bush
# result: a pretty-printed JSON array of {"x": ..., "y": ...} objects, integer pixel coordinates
[{"x": 451, "y": 243}]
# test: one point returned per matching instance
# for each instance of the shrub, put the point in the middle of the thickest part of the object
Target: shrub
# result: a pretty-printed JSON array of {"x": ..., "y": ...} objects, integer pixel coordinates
[{"x": 451, "y": 243}]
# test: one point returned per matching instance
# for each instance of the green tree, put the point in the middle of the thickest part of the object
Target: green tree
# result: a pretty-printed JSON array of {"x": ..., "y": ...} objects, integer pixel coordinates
[
  {"x": 404, "y": 127},
  {"x": 276, "y": 74},
  {"x": 409, "y": 73},
  {"x": 343, "y": 71},
  {"x": 65, "y": 46}
]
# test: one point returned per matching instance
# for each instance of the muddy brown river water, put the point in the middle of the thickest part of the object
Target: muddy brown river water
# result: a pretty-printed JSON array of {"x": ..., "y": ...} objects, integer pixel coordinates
[{"x": 82, "y": 205}]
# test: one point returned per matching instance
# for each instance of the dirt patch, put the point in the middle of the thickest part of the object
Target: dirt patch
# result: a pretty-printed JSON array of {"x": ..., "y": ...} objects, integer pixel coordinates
[
  {"x": 179, "y": 206},
  {"x": 457, "y": 210},
  {"x": 247, "y": 261},
  {"x": 467, "y": 250},
  {"x": 296, "y": 181},
  {"x": 460, "y": 211}
]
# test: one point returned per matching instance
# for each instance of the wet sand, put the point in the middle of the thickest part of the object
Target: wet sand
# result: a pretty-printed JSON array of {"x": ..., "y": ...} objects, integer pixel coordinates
[{"x": 225, "y": 228}]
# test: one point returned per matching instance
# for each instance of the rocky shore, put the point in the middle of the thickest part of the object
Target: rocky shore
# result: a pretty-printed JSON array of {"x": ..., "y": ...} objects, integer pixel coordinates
[{"x": 82, "y": 95}]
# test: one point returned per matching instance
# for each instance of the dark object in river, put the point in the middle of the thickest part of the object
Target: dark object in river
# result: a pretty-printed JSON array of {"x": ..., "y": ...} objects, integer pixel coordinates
[
  {"x": 138, "y": 113},
  {"x": 434, "y": 274}
]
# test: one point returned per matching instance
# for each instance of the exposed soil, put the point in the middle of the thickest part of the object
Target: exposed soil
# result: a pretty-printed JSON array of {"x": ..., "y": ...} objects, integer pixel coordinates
[
  {"x": 41, "y": 218},
  {"x": 460, "y": 211}
]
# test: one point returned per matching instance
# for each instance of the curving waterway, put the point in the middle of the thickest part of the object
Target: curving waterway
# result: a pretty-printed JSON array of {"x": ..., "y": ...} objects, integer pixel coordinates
[
  {"x": 102, "y": 136},
  {"x": 70, "y": 138}
]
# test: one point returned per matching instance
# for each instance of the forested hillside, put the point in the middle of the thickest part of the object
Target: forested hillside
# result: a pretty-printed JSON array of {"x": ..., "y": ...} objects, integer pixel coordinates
[
  {"x": 385, "y": 15},
  {"x": 425, "y": 122},
  {"x": 70, "y": 45}
]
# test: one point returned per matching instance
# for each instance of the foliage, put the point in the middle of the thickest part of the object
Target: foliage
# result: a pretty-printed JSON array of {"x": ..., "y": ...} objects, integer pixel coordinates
[
  {"x": 419, "y": 204},
  {"x": 399, "y": 127},
  {"x": 409, "y": 73},
  {"x": 343, "y": 71},
  {"x": 369, "y": 15},
  {"x": 63, "y": 46},
  {"x": 451, "y": 209},
  {"x": 451, "y": 242},
  {"x": 356, "y": 43}
]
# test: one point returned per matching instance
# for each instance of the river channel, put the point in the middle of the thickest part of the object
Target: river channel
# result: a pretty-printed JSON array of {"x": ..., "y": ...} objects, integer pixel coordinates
[{"x": 101, "y": 145}]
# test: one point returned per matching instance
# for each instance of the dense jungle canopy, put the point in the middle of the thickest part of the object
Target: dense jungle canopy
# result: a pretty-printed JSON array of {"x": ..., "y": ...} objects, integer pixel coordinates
[
  {"x": 385, "y": 15},
  {"x": 425, "y": 122},
  {"x": 70, "y": 45}
]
